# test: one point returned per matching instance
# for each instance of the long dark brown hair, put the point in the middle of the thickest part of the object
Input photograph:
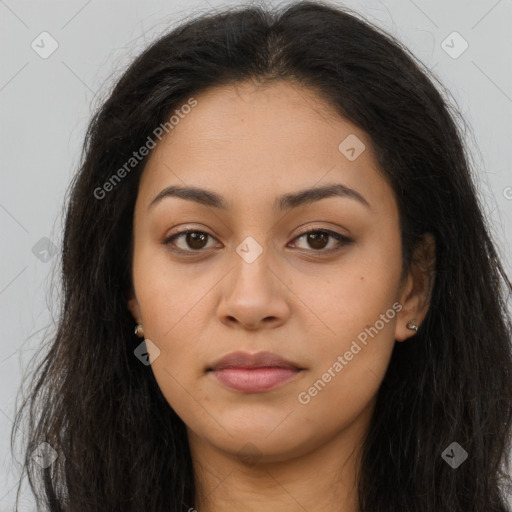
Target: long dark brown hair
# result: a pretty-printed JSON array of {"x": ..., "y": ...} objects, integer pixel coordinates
[{"x": 120, "y": 446}]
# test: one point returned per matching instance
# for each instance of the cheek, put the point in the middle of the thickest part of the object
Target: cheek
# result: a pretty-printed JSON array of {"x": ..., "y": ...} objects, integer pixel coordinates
[
  {"x": 171, "y": 301},
  {"x": 349, "y": 295},
  {"x": 167, "y": 291},
  {"x": 350, "y": 362},
  {"x": 357, "y": 307}
]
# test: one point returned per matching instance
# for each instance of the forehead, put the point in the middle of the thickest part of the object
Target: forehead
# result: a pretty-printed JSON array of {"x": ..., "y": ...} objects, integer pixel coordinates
[{"x": 251, "y": 141}]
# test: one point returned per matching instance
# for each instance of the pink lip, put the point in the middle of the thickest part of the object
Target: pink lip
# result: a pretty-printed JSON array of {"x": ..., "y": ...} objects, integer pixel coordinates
[
  {"x": 253, "y": 373},
  {"x": 254, "y": 380}
]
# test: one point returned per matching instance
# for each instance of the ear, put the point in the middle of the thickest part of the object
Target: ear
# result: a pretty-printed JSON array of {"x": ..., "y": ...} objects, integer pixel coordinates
[
  {"x": 133, "y": 306},
  {"x": 416, "y": 291}
]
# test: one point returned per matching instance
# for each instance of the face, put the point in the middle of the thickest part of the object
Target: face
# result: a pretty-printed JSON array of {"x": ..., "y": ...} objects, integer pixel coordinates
[{"x": 315, "y": 282}]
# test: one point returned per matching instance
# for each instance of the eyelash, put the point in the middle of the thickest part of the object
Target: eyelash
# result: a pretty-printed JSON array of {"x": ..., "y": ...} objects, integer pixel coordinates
[{"x": 341, "y": 238}]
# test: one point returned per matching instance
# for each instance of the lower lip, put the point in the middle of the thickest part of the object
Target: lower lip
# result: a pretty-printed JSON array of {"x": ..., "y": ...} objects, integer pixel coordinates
[{"x": 254, "y": 380}]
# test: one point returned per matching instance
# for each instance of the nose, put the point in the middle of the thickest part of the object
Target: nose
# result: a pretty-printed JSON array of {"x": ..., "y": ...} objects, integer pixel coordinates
[{"x": 253, "y": 294}]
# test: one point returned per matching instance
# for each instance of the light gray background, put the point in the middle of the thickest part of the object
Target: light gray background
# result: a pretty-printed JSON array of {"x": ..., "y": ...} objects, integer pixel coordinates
[{"x": 46, "y": 104}]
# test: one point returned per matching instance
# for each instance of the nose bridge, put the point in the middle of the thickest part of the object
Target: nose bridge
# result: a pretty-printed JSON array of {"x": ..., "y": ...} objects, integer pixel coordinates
[
  {"x": 252, "y": 262},
  {"x": 253, "y": 292},
  {"x": 256, "y": 259}
]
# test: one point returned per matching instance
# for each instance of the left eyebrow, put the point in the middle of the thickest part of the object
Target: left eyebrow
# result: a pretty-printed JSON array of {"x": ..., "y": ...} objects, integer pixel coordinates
[
  {"x": 310, "y": 195},
  {"x": 281, "y": 203}
]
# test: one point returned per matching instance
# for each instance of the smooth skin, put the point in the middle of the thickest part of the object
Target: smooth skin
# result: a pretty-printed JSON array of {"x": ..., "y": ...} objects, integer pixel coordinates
[{"x": 305, "y": 299}]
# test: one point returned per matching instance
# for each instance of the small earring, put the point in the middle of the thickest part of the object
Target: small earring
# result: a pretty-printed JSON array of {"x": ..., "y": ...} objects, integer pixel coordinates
[
  {"x": 412, "y": 326},
  {"x": 139, "y": 331}
]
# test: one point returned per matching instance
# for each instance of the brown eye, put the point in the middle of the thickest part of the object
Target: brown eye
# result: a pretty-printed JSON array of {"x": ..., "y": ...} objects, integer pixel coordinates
[
  {"x": 319, "y": 239},
  {"x": 194, "y": 240}
]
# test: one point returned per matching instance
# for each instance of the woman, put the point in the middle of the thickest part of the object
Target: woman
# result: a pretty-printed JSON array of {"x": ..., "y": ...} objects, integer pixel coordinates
[{"x": 280, "y": 206}]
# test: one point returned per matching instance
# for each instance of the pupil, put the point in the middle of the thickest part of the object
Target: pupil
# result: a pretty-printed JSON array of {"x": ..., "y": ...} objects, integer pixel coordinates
[
  {"x": 314, "y": 237},
  {"x": 194, "y": 238}
]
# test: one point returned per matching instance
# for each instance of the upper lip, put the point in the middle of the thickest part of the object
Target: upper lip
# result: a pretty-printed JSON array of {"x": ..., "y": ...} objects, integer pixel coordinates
[{"x": 247, "y": 360}]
